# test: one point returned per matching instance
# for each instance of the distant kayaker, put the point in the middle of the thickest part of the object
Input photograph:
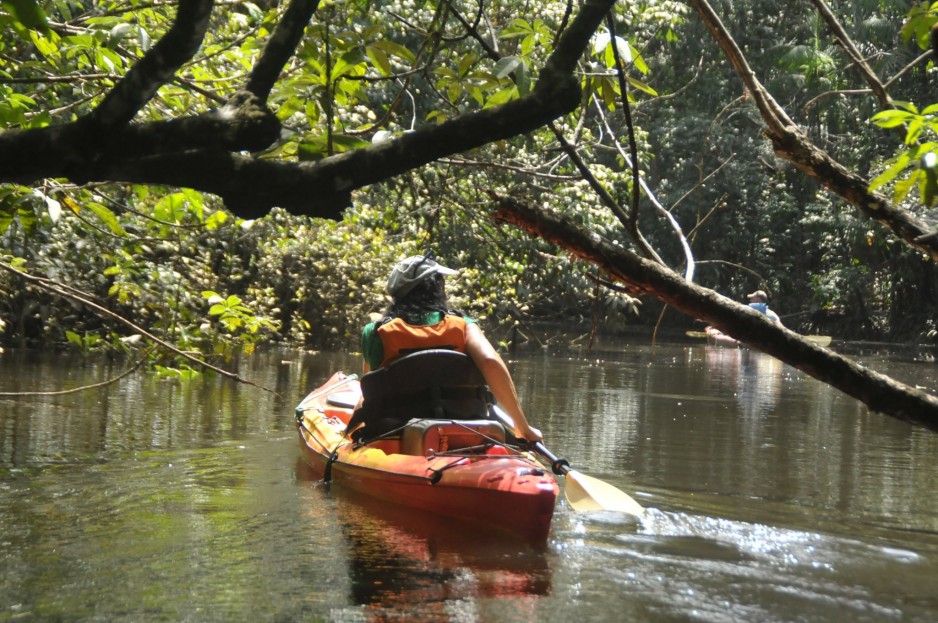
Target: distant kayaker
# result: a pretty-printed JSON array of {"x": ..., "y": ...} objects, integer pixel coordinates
[
  {"x": 419, "y": 318},
  {"x": 759, "y": 301}
]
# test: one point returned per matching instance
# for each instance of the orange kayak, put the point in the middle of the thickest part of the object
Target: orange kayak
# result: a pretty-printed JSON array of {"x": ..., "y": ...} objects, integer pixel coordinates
[{"x": 457, "y": 468}]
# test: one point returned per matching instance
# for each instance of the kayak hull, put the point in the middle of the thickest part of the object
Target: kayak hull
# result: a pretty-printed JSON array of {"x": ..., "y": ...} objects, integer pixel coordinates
[{"x": 451, "y": 468}]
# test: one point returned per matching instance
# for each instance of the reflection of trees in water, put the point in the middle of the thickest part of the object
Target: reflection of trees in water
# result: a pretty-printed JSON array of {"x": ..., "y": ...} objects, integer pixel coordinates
[
  {"x": 410, "y": 565},
  {"x": 754, "y": 377},
  {"x": 588, "y": 407}
]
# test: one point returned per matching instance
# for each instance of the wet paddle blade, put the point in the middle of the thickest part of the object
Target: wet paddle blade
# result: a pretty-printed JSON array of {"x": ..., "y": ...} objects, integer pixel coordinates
[{"x": 585, "y": 493}]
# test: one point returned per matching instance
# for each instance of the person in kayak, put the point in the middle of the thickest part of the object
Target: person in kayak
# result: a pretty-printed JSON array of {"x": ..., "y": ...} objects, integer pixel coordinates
[
  {"x": 419, "y": 319},
  {"x": 759, "y": 301}
]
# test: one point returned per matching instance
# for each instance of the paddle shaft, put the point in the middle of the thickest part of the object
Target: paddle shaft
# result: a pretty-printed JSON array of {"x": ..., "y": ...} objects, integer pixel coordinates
[
  {"x": 584, "y": 493},
  {"x": 558, "y": 465}
]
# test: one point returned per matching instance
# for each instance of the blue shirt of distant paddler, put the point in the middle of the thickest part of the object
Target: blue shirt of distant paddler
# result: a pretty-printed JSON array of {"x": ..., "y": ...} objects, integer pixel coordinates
[{"x": 759, "y": 301}]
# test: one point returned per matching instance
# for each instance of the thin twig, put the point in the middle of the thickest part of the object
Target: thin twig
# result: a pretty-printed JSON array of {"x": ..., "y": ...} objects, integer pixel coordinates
[{"x": 80, "y": 297}]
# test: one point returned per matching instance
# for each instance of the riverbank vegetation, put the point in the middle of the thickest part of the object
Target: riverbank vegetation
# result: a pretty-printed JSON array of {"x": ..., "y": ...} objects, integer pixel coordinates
[{"x": 228, "y": 175}]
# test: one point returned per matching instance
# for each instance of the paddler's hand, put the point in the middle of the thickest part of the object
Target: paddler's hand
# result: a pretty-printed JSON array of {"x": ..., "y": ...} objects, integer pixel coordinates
[{"x": 529, "y": 433}]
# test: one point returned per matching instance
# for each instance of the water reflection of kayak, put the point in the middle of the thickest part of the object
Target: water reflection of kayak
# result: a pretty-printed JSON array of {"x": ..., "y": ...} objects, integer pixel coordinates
[
  {"x": 463, "y": 469},
  {"x": 716, "y": 336}
]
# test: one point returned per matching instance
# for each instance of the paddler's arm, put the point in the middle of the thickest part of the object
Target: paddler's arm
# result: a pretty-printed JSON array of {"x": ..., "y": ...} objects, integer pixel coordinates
[{"x": 499, "y": 380}]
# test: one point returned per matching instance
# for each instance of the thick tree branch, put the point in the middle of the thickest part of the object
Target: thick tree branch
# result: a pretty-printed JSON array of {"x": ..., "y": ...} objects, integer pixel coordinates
[
  {"x": 281, "y": 47},
  {"x": 250, "y": 186},
  {"x": 793, "y": 144},
  {"x": 204, "y": 152},
  {"x": 879, "y": 392},
  {"x": 82, "y": 152},
  {"x": 847, "y": 44},
  {"x": 157, "y": 67}
]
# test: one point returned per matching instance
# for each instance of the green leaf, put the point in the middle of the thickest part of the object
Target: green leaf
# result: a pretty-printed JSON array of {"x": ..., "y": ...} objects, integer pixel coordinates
[
  {"x": 466, "y": 63},
  {"x": 394, "y": 49},
  {"x": 380, "y": 60},
  {"x": 891, "y": 118},
  {"x": 29, "y": 14},
  {"x": 216, "y": 220},
  {"x": 929, "y": 187},
  {"x": 904, "y": 186},
  {"x": 108, "y": 217},
  {"x": 506, "y": 65},
  {"x": 898, "y": 165},
  {"x": 74, "y": 338},
  {"x": 316, "y": 147},
  {"x": 914, "y": 130},
  {"x": 45, "y": 45},
  {"x": 171, "y": 208},
  {"x": 517, "y": 28},
  {"x": 638, "y": 61},
  {"x": 6, "y": 218},
  {"x": 502, "y": 97},
  {"x": 641, "y": 86},
  {"x": 523, "y": 79},
  {"x": 909, "y": 106},
  {"x": 118, "y": 33}
]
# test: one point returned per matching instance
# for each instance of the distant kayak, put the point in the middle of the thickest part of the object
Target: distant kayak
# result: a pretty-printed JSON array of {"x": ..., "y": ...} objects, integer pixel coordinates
[{"x": 715, "y": 336}]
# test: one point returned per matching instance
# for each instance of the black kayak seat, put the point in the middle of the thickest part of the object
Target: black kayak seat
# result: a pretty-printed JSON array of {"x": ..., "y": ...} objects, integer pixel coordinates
[{"x": 429, "y": 384}]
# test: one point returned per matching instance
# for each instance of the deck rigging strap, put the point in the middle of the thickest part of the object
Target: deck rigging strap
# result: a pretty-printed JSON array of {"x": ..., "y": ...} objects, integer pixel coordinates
[{"x": 327, "y": 472}]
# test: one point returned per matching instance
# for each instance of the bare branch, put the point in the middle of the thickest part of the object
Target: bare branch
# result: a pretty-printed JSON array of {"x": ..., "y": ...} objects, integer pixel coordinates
[
  {"x": 847, "y": 44},
  {"x": 157, "y": 67},
  {"x": 281, "y": 47},
  {"x": 76, "y": 390},
  {"x": 792, "y": 143},
  {"x": 879, "y": 392}
]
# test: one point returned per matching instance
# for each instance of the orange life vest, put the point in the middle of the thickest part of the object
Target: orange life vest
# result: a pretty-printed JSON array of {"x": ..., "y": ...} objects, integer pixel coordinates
[{"x": 399, "y": 338}]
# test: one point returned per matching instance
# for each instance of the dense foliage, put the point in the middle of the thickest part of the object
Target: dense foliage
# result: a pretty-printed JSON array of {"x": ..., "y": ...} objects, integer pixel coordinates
[{"x": 175, "y": 261}]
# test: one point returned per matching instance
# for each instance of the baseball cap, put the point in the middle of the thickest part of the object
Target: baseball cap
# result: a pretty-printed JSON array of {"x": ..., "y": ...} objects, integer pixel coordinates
[
  {"x": 758, "y": 294},
  {"x": 411, "y": 271}
]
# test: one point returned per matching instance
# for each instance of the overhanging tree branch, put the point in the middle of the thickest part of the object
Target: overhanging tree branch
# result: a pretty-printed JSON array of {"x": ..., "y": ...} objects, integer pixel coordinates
[
  {"x": 81, "y": 298},
  {"x": 792, "y": 143},
  {"x": 850, "y": 48},
  {"x": 157, "y": 67},
  {"x": 202, "y": 152},
  {"x": 879, "y": 392},
  {"x": 281, "y": 47}
]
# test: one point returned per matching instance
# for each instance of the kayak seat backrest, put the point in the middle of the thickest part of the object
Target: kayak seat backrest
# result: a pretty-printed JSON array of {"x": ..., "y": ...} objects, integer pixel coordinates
[
  {"x": 422, "y": 437},
  {"x": 430, "y": 384}
]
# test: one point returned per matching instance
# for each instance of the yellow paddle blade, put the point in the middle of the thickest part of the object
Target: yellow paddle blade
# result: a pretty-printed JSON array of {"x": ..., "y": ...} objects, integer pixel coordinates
[{"x": 585, "y": 493}]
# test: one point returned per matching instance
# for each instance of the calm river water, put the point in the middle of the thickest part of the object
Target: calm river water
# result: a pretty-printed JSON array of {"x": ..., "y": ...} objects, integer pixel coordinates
[{"x": 771, "y": 497}]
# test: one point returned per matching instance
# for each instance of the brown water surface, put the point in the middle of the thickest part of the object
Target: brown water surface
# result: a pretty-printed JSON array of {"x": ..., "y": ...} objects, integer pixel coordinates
[{"x": 770, "y": 496}]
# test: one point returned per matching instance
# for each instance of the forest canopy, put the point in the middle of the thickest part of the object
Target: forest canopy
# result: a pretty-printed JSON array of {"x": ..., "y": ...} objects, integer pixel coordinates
[{"x": 225, "y": 174}]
